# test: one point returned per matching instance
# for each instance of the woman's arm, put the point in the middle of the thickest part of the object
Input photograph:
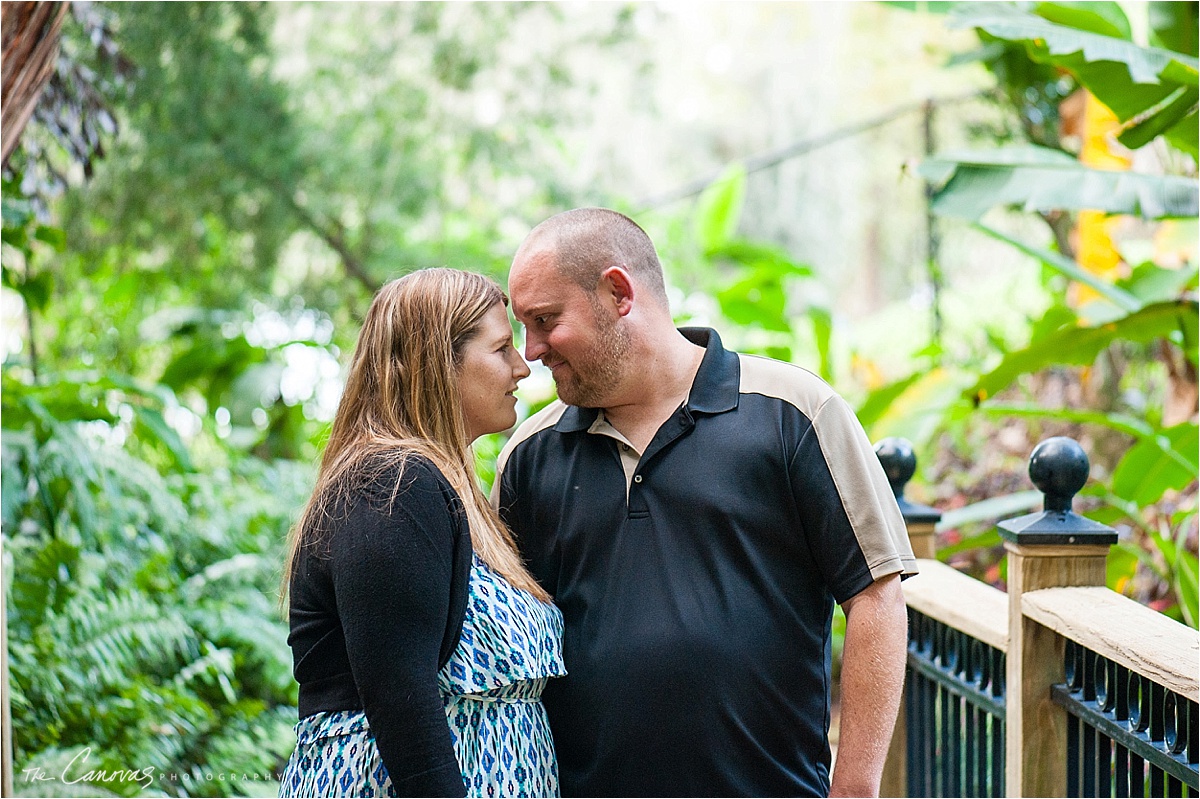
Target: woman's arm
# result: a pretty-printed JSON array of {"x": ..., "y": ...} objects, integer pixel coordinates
[{"x": 392, "y": 563}]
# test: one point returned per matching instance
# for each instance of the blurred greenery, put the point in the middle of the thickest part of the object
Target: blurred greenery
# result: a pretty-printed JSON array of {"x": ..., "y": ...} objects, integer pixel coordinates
[{"x": 188, "y": 275}]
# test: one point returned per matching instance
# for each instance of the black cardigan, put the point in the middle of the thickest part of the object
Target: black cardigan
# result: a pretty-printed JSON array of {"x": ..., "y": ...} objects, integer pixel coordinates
[{"x": 377, "y": 607}]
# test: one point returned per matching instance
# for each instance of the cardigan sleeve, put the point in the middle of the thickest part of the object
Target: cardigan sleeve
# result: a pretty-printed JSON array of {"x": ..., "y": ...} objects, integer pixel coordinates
[{"x": 391, "y": 561}]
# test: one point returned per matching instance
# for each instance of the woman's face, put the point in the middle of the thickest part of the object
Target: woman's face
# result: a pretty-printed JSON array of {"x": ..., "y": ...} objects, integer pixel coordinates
[{"x": 488, "y": 375}]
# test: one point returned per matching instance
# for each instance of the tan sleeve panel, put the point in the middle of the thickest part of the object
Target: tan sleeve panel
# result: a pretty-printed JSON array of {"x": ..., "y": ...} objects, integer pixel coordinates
[
  {"x": 866, "y": 496},
  {"x": 546, "y": 417}
]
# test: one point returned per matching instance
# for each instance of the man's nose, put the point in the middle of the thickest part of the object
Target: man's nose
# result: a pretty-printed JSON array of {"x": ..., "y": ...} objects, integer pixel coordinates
[{"x": 535, "y": 348}]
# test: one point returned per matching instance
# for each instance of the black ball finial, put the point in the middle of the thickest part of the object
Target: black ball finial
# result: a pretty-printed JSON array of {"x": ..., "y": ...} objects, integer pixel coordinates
[
  {"x": 1059, "y": 468},
  {"x": 898, "y": 461}
]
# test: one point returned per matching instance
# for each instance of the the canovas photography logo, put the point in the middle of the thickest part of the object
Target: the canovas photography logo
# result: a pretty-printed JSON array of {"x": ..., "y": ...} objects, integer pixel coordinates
[{"x": 79, "y": 772}]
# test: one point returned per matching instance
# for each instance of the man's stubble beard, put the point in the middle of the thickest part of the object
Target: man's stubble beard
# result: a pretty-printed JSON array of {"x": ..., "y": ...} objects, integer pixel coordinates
[{"x": 595, "y": 375}]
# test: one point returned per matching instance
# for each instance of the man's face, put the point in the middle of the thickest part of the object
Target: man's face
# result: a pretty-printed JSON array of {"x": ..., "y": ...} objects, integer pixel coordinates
[{"x": 569, "y": 330}]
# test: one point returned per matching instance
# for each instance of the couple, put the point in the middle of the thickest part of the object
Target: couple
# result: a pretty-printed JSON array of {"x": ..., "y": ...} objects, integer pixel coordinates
[{"x": 694, "y": 514}]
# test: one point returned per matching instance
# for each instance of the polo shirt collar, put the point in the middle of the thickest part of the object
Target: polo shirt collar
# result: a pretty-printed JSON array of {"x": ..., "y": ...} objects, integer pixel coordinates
[{"x": 714, "y": 390}]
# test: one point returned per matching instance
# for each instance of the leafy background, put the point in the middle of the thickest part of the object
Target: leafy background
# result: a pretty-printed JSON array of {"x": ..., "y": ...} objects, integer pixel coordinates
[{"x": 210, "y": 193}]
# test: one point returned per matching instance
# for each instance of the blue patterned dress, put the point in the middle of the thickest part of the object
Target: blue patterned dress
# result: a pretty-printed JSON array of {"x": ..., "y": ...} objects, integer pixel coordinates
[{"x": 491, "y": 688}]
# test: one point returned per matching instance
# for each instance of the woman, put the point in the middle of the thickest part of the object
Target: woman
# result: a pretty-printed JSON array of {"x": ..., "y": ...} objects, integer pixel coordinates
[{"x": 421, "y": 643}]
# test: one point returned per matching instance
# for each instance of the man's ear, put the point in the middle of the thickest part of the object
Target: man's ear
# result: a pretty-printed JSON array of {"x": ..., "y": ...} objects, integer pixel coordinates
[{"x": 617, "y": 283}]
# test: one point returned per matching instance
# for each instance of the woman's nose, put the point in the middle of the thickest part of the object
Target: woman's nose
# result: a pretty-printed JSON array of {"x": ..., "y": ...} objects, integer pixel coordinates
[{"x": 520, "y": 367}]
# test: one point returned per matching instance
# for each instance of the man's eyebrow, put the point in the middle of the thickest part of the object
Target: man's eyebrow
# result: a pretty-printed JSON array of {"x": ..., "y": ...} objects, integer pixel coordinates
[{"x": 539, "y": 308}]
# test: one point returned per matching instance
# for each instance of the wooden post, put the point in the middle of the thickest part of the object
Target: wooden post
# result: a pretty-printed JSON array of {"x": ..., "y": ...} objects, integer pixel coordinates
[
  {"x": 899, "y": 464},
  {"x": 1050, "y": 549},
  {"x": 6, "y": 746}
]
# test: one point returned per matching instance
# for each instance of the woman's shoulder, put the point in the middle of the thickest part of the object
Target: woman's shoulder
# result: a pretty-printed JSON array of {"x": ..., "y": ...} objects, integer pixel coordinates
[
  {"x": 393, "y": 474},
  {"x": 394, "y": 462}
]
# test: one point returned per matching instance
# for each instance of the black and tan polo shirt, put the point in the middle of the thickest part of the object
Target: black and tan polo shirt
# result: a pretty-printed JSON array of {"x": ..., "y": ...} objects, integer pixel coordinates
[{"x": 697, "y": 578}]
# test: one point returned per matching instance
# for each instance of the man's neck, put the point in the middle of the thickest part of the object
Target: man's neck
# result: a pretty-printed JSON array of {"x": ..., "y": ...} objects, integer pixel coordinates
[{"x": 658, "y": 385}]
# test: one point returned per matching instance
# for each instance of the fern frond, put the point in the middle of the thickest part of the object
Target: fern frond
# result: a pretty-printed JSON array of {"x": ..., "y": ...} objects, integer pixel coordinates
[
  {"x": 123, "y": 634},
  {"x": 42, "y": 579},
  {"x": 264, "y": 659}
]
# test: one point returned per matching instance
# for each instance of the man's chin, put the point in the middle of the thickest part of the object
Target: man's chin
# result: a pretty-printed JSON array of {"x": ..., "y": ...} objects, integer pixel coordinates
[{"x": 572, "y": 394}]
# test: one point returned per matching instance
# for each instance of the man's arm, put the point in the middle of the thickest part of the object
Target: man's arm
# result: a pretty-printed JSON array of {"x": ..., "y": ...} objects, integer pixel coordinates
[{"x": 872, "y": 678}]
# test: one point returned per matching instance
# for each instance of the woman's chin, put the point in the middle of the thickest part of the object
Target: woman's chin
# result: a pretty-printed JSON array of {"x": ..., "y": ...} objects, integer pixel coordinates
[{"x": 501, "y": 425}]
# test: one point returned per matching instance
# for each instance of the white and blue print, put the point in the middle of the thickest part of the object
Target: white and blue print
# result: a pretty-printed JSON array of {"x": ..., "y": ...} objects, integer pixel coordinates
[{"x": 491, "y": 688}]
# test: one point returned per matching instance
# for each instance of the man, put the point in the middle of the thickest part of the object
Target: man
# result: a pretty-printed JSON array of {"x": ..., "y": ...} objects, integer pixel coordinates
[{"x": 695, "y": 514}]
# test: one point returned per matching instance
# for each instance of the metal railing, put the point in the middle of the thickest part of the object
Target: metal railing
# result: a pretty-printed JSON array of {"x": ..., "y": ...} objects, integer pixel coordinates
[
  {"x": 954, "y": 697},
  {"x": 1127, "y": 735},
  {"x": 1059, "y": 687}
]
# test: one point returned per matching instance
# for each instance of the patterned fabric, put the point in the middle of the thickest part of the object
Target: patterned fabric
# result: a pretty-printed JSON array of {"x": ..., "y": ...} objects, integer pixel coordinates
[
  {"x": 492, "y": 685},
  {"x": 335, "y": 755},
  {"x": 491, "y": 688}
]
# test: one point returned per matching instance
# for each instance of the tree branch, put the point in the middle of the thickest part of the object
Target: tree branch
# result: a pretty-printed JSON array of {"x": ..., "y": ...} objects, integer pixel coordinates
[{"x": 336, "y": 239}]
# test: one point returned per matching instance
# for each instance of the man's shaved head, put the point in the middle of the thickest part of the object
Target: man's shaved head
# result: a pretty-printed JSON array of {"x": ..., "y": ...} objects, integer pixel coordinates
[{"x": 586, "y": 241}]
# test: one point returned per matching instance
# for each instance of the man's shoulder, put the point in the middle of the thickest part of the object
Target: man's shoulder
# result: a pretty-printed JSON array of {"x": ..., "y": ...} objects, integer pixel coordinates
[
  {"x": 544, "y": 419},
  {"x": 783, "y": 381}
]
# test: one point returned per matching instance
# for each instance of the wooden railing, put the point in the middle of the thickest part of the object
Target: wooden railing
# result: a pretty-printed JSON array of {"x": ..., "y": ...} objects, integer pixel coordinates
[{"x": 1060, "y": 687}]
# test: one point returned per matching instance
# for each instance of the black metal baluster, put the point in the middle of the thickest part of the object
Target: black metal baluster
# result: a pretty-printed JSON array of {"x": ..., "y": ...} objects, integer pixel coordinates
[
  {"x": 954, "y": 718},
  {"x": 944, "y": 787},
  {"x": 1073, "y": 756},
  {"x": 1193, "y": 732},
  {"x": 1139, "y": 722},
  {"x": 1073, "y": 670},
  {"x": 1105, "y": 699},
  {"x": 999, "y": 726},
  {"x": 979, "y": 722},
  {"x": 1088, "y": 732},
  {"x": 929, "y": 704},
  {"x": 970, "y": 734},
  {"x": 1157, "y": 733},
  {"x": 1120, "y": 677}
]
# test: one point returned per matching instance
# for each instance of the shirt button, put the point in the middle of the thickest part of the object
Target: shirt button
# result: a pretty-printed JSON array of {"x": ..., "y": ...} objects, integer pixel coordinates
[{"x": 637, "y": 478}]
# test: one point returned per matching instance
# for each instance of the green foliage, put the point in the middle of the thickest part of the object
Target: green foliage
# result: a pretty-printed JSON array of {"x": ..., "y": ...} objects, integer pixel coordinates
[
  {"x": 142, "y": 621},
  {"x": 1168, "y": 462},
  {"x": 1044, "y": 179},
  {"x": 719, "y": 208},
  {"x": 29, "y": 240},
  {"x": 1155, "y": 87},
  {"x": 753, "y": 285},
  {"x": 251, "y": 202},
  {"x": 1080, "y": 344},
  {"x": 1066, "y": 267},
  {"x": 1151, "y": 488},
  {"x": 1173, "y": 25},
  {"x": 156, "y": 444}
]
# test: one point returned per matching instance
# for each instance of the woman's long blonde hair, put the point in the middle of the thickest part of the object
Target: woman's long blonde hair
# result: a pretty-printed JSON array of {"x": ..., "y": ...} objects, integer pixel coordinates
[{"x": 402, "y": 398}]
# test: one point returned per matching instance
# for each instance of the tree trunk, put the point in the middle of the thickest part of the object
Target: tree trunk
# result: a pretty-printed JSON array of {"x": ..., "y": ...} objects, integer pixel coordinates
[
  {"x": 31, "y": 32},
  {"x": 30, "y": 50}
]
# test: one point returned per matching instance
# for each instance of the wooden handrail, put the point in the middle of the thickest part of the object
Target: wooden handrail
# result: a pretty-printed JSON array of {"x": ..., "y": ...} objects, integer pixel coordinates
[
  {"x": 1056, "y": 598},
  {"x": 960, "y": 601},
  {"x": 1122, "y": 630}
]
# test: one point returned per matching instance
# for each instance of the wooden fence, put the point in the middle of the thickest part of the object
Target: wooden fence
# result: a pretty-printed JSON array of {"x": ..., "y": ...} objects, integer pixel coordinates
[{"x": 1105, "y": 690}]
